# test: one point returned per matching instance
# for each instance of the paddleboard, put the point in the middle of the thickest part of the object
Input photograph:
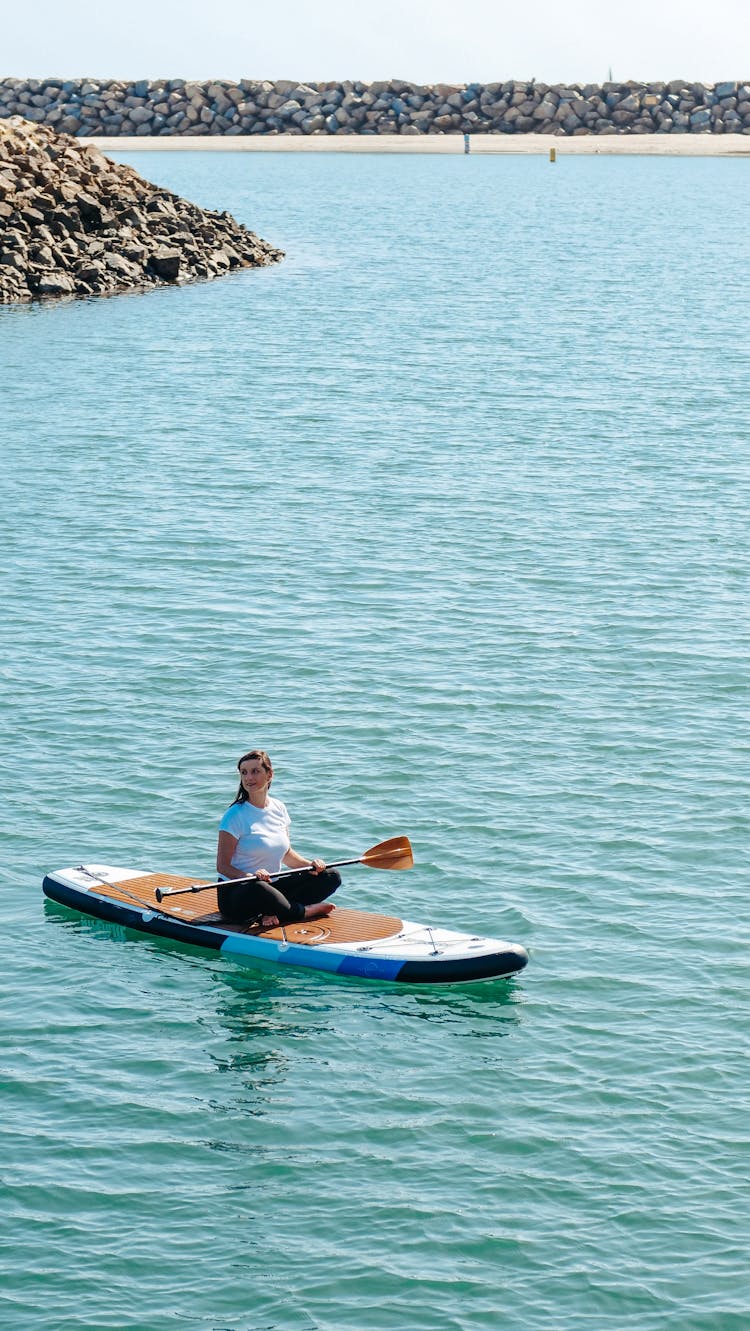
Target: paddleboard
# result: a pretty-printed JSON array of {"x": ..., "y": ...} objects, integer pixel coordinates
[{"x": 346, "y": 942}]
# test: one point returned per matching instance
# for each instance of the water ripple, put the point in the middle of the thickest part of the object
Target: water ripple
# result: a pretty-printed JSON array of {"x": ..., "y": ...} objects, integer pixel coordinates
[{"x": 449, "y": 512}]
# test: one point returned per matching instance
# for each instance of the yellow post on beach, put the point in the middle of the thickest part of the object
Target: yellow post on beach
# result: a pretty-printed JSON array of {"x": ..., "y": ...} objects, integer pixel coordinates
[{"x": 553, "y": 154}]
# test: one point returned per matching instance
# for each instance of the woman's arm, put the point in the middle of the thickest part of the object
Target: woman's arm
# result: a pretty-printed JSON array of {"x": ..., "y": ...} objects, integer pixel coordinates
[
  {"x": 294, "y": 861},
  {"x": 225, "y": 854}
]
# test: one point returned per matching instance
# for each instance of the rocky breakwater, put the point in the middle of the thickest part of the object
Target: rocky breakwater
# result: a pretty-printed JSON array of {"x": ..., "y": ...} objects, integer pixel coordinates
[
  {"x": 74, "y": 223},
  {"x": 100, "y": 107}
]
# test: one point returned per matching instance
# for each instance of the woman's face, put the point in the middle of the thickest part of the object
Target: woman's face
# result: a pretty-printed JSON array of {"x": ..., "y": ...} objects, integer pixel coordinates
[{"x": 254, "y": 777}]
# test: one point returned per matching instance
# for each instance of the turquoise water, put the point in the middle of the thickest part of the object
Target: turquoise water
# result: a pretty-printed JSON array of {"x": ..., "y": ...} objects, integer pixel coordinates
[{"x": 449, "y": 512}]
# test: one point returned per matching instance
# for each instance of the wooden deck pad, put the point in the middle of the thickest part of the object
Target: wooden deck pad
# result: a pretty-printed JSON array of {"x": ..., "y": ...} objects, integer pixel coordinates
[
  {"x": 341, "y": 926},
  {"x": 140, "y": 891}
]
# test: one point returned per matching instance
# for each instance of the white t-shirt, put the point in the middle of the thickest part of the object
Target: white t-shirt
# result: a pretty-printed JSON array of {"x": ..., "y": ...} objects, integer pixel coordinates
[{"x": 262, "y": 835}]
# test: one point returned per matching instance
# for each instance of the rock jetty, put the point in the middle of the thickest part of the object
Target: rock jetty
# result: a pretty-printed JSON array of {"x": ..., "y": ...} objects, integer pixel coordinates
[
  {"x": 74, "y": 223},
  {"x": 106, "y": 107}
]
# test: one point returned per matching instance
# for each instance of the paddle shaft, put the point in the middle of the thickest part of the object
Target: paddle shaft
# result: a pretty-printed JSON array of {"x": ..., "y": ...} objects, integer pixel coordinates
[
  {"x": 251, "y": 878},
  {"x": 393, "y": 854}
]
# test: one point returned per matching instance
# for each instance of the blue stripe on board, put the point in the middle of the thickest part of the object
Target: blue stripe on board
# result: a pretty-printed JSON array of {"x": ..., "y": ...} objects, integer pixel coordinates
[
  {"x": 266, "y": 949},
  {"x": 371, "y": 968}
]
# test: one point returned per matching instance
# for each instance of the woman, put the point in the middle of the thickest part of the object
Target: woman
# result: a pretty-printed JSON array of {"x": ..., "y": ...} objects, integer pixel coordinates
[{"x": 254, "y": 839}]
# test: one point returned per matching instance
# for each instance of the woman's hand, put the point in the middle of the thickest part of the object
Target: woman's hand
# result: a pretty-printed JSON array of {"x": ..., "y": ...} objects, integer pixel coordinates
[{"x": 317, "y": 866}]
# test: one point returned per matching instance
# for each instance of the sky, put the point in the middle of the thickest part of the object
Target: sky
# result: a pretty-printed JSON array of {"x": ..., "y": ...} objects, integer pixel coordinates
[{"x": 424, "y": 41}]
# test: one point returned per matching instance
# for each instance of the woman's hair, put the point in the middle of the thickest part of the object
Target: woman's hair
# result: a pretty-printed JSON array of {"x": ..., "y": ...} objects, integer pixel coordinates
[{"x": 260, "y": 756}]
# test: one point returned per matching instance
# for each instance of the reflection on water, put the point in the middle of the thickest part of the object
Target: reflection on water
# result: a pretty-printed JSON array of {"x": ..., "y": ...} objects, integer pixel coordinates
[
  {"x": 261, "y": 1029},
  {"x": 258, "y": 987}
]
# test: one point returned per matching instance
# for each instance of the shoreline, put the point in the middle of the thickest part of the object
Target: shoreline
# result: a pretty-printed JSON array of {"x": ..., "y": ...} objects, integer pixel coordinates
[{"x": 605, "y": 145}]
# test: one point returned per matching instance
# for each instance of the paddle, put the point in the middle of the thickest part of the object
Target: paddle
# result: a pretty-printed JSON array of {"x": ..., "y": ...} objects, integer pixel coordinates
[{"x": 393, "y": 854}]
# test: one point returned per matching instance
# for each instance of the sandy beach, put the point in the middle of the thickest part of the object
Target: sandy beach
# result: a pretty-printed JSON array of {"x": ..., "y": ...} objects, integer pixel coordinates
[{"x": 643, "y": 145}]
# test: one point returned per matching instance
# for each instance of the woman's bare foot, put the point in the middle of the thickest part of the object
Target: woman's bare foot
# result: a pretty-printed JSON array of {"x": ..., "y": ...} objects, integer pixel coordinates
[
  {"x": 319, "y": 909},
  {"x": 269, "y": 922}
]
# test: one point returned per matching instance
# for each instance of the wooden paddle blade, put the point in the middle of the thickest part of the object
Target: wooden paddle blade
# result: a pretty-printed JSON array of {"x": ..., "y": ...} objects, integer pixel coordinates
[{"x": 393, "y": 854}]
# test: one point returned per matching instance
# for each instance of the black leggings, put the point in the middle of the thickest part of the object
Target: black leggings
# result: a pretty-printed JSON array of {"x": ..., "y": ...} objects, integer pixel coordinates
[{"x": 240, "y": 902}]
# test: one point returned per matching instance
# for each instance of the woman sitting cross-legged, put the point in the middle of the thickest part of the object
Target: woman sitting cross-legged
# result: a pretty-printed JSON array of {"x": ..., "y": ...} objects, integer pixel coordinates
[{"x": 254, "y": 839}]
